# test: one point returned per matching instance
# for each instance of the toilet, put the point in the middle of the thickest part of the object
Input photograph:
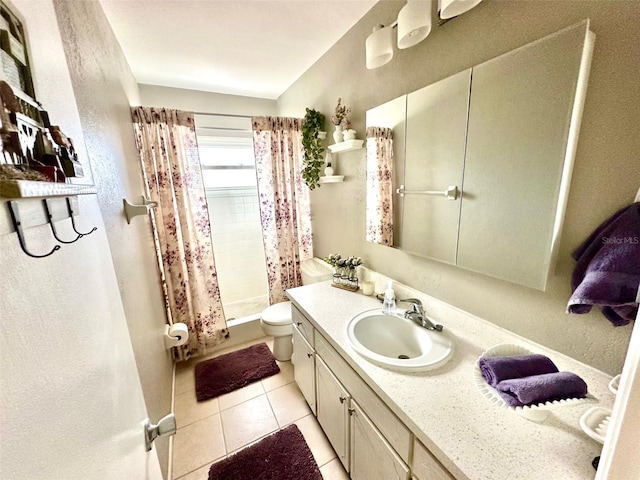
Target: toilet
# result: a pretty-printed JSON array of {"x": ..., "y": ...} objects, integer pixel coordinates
[{"x": 275, "y": 320}]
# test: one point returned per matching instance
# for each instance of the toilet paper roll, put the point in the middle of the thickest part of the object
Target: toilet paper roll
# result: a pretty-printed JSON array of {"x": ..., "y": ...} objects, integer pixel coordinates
[{"x": 176, "y": 335}]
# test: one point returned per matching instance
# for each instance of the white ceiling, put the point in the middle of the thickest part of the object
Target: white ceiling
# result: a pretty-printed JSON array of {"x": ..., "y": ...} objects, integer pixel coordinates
[{"x": 255, "y": 48}]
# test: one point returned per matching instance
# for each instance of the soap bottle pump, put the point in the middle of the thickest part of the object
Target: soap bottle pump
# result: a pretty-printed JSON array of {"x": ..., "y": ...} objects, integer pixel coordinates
[{"x": 389, "y": 303}]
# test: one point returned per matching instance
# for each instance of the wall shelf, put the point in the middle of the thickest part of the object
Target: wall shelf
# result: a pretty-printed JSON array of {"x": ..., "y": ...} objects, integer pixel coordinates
[
  {"x": 347, "y": 146},
  {"x": 332, "y": 179},
  {"x": 30, "y": 189}
]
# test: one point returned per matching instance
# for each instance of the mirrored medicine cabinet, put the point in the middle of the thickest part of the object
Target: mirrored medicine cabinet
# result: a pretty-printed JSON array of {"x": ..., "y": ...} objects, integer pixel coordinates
[{"x": 483, "y": 159}]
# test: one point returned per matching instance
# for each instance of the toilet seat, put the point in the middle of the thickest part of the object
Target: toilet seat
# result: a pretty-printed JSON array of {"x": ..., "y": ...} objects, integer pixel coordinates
[{"x": 277, "y": 314}]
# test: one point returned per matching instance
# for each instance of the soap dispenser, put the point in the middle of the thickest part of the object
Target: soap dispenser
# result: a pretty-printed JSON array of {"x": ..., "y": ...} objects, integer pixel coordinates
[{"x": 389, "y": 303}]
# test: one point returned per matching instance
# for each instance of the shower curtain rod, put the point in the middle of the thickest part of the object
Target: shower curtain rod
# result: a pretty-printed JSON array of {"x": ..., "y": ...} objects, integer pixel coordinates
[
  {"x": 226, "y": 129},
  {"x": 222, "y": 114}
]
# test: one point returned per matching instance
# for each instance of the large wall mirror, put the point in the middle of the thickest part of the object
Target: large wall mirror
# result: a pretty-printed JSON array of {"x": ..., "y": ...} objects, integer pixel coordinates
[{"x": 483, "y": 159}]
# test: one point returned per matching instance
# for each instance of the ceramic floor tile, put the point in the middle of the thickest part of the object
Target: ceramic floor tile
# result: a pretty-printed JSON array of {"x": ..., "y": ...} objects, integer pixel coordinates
[
  {"x": 316, "y": 439},
  {"x": 280, "y": 379},
  {"x": 334, "y": 471},
  {"x": 197, "y": 444},
  {"x": 185, "y": 379},
  {"x": 199, "y": 474},
  {"x": 247, "y": 422},
  {"x": 267, "y": 340},
  {"x": 236, "y": 397},
  {"x": 188, "y": 410},
  {"x": 288, "y": 404}
]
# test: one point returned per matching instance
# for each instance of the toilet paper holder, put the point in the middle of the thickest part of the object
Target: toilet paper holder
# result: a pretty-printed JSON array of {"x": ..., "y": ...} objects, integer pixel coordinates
[{"x": 175, "y": 335}]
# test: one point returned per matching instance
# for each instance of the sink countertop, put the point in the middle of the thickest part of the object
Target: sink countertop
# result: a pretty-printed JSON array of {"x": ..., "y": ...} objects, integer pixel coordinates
[{"x": 443, "y": 408}]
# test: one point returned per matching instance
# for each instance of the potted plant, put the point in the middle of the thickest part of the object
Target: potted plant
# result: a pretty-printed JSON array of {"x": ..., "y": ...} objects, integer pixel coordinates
[
  {"x": 340, "y": 119},
  {"x": 312, "y": 145}
]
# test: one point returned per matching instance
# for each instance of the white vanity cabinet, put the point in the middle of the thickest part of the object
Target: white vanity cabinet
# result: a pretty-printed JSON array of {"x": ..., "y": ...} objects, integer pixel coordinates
[
  {"x": 333, "y": 410},
  {"x": 303, "y": 359},
  {"x": 371, "y": 455},
  {"x": 370, "y": 441}
]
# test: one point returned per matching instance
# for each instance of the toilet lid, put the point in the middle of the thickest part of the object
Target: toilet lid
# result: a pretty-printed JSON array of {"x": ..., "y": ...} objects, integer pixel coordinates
[{"x": 277, "y": 314}]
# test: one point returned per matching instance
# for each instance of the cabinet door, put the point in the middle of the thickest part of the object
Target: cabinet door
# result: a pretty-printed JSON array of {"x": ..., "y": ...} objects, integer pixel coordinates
[
  {"x": 523, "y": 122},
  {"x": 333, "y": 411},
  {"x": 303, "y": 360},
  {"x": 425, "y": 466},
  {"x": 371, "y": 455},
  {"x": 436, "y": 134}
]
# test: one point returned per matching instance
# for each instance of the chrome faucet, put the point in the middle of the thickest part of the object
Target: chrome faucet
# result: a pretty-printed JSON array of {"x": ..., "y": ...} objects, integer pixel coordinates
[{"x": 417, "y": 315}]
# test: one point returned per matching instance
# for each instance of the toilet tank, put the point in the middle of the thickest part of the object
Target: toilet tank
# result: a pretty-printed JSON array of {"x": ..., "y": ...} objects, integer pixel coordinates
[{"x": 315, "y": 270}]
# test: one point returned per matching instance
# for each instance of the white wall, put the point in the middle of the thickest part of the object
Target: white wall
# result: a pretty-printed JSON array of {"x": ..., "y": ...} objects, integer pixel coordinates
[
  {"x": 205, "y": 102},
  {"x": 606, "y": 174},
  {"x": 71, "y": 400},
  {"x": 104, "y": 89}
]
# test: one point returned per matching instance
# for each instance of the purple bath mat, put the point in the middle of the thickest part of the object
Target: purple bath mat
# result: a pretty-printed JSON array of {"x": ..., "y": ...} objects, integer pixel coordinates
[
  {"x": 233, "y": 371},
  {"x": 281, "y": 456}
]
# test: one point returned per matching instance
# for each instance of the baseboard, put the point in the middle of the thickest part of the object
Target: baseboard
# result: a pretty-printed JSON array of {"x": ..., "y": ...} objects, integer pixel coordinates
[{"x": 173, "y": 410}]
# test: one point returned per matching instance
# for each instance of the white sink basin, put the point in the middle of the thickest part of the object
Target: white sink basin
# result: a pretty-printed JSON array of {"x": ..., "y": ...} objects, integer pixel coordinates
[{"x": 397, "y": 343}]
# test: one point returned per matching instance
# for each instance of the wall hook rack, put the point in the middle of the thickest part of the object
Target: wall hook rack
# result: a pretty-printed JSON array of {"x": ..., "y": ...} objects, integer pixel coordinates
[
  {"x": 17, "y": 224},
  {"x": 47, "y": 209},
  {"x": 73, "y": 223},
  {"x": 134, "y": 210}
]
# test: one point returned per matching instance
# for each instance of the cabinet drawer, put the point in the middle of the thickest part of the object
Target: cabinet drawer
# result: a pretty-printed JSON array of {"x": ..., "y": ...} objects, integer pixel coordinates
[
  {"x": 304, "y": 325},
  {"x": 385, "y": 420},
  {"x": 425, "y": 466}
]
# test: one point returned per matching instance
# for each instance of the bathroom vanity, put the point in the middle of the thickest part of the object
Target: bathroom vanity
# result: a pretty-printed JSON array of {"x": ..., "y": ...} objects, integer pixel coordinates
[{"x": 435, "y": 424}]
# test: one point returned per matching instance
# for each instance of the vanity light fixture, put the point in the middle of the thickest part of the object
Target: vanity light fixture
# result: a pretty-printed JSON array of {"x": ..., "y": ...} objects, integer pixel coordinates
[
  {"x": 414, "y": 25},
  {"x": 453, "y": 8},
  {"x": 379, "y": 46}
]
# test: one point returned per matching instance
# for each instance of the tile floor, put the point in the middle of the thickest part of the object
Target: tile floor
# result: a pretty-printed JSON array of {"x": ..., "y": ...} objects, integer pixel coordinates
[{"x": 211, "y": 430}]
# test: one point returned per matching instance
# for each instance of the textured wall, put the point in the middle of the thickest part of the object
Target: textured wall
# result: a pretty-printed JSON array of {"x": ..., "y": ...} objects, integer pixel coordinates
[
  {"x": 606, "y": 174},
  {"x": 104, "y": 89},
  {"x": 205, "y": 102},
  {"x": 71, "y": 401}
]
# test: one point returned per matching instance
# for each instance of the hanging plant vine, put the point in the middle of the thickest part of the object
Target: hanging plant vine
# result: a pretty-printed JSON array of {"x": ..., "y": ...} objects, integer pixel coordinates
[{"x": 312, "y": 145}]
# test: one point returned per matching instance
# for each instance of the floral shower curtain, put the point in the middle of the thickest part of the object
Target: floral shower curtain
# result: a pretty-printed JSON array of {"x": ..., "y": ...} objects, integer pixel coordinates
[
  {"x": 284, "y": 201},
  {"x": 166, "y": 141},
  {"x": 379, "y": 215}
]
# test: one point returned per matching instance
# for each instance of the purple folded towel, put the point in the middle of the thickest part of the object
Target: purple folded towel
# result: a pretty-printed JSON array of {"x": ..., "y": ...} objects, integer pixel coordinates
[
  {"x": 541, "y": 388},
  {"x": 497, "y": 369}
]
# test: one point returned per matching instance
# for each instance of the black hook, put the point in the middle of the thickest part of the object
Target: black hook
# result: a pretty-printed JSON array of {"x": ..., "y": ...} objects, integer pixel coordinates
[
  {"x": 53, "y": 228},
  {"x": 73, "y": 223},
  {"x": 15, "y": 217}
]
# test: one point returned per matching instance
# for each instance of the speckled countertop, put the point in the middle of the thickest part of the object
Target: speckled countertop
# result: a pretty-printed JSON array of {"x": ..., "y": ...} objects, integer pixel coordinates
[{"x": 473, "y": 438}]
